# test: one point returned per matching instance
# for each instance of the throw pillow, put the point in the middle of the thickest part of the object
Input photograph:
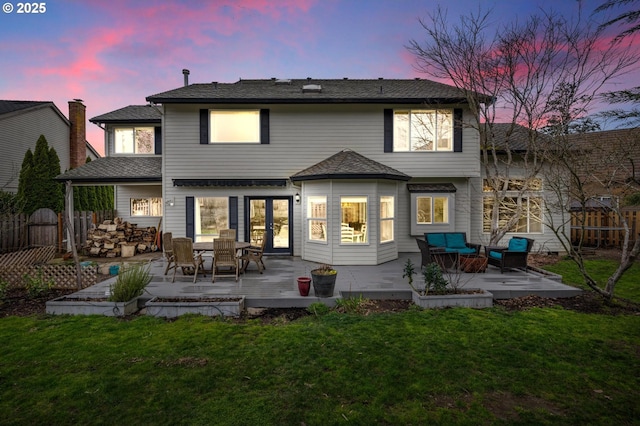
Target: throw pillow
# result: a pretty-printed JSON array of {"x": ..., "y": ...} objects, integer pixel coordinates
[
  {"x": 456, "y": 241},
  {"x": 518, "y": 244}
]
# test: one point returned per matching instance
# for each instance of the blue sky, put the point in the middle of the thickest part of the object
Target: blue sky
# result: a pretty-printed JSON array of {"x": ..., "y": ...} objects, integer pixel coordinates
[{"x": 115, "y": 53}]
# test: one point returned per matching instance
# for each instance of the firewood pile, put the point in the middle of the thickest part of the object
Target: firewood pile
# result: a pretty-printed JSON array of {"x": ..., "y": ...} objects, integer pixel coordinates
[{"x": 120, "y": 239}]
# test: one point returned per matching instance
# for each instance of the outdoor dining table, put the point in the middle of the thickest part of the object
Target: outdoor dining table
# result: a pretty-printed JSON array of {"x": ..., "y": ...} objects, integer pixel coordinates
[{"x": 207, "y": 246}]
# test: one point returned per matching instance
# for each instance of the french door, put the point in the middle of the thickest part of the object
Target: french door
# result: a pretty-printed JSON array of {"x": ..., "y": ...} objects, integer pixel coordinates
[{"x": 269, "y": 219}]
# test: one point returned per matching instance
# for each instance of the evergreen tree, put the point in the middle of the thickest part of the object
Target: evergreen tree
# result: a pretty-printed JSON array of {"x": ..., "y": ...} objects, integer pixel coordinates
[
  {"x": 55, "y": 188},
  {"x": 24, "y": 182}
]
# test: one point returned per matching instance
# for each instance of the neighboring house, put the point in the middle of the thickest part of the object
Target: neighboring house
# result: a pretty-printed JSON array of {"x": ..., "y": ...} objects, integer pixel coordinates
[
  {"x": 132, "y": 163},
  {"x": 610, "y": 165},
  {"x": 22, "y": 123}
]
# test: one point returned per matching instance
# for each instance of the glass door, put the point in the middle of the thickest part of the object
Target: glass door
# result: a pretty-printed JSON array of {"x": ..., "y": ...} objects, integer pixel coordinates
[{"x": 268, "y": 218}]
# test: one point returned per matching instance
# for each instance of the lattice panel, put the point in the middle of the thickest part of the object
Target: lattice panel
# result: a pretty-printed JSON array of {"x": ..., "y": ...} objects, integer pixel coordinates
[
  {"x": 28, "y": 256},
  {"x": 63, "y": 276}
]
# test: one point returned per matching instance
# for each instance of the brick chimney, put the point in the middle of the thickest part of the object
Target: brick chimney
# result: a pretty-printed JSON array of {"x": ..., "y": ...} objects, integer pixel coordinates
[{"x": 78, "y": 135}]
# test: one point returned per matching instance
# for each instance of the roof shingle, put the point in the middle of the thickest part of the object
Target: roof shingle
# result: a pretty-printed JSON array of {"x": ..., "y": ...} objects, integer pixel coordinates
[
  {"x": 116, "y": 169},
  {"x": 130, "y": 114}
]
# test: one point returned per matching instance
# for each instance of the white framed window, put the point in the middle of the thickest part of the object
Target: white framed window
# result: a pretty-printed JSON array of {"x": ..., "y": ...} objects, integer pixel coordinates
[
  {"x": 530, "y": 222},
  {"x": 234, "y": 126},
  {"x": 423, "y": 130},
  {"x": 387, "y": 218},
  {"x": 317, "y": 218},
  {"x": 146, "y": 206},
  {"x": 211, "y": 215},
  {"x": 353, "y": 217},
  {"x": 432, "y": 209},
  {"x": 134, "y": 140}
]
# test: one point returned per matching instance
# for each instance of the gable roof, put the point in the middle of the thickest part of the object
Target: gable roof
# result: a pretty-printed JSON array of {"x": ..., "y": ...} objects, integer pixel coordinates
[
  {"x": 10, "y": 108},
  {"x": 107, "y": 170},
  {"x": 130, "y": 114},
  {"x": 349, "y": 164},
  {"x": 273, "y": 91}
]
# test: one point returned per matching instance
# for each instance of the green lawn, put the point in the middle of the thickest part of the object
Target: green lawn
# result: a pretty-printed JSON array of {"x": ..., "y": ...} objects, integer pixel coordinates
[
  {"x": 628, "y": 287},
  {"x": 452, "y": 366}
]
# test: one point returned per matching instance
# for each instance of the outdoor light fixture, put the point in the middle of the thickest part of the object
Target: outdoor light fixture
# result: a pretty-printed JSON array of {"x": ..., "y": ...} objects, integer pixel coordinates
[
  {"x": 297, "y": 197},
  {"x": 171, "y": 202}
]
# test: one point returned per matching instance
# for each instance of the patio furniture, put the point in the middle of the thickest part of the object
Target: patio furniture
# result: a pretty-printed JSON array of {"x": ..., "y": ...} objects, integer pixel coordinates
[
  {"x": 167, "y": 246},
  {"x": 225, "y": 261},
  {"x": 513, "y": 256},
  {"x": 228, "y": 233},
  {"x": 451, "y": 242},
  {"x": 185, "y": 259},
  {"x": 253, "y": 254}
]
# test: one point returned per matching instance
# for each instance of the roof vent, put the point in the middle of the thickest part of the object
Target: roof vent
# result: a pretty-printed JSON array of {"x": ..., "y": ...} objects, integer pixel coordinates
[
  {"x": 311, "y": 88},
  {"x": 283, "y": 81}
]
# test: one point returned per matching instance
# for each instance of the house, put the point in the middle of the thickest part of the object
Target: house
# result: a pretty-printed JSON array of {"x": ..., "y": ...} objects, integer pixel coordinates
[
  {"x": 22, "y": 123},
  {"x": 337, "y": 171}
]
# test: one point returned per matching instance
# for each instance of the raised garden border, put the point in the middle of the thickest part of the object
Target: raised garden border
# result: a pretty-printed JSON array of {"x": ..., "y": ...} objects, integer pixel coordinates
[{"x": 211, "y": 306}]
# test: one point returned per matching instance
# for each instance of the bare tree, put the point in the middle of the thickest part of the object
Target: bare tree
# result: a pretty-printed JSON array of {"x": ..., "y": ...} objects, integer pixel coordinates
[{"x": 520, "y": 74}]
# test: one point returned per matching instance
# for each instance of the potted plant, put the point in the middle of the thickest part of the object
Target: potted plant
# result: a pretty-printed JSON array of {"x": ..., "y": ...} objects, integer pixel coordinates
[
  {"x": 324, "y": 280},
  {"x": 130, "y": 283}
]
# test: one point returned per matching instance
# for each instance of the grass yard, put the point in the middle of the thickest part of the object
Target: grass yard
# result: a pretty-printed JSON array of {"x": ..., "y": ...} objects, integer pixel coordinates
[
  {"x": 628, "y": 287},
  {"x": 452, "y": 366}
]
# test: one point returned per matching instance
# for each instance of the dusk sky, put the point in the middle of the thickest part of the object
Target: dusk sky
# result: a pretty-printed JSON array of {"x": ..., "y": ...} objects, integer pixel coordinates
[{"x": 115, "y": 53}]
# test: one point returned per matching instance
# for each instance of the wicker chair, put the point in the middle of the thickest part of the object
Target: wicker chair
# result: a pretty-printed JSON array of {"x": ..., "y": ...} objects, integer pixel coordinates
[
  {"x": 167, "y": 246},
  {"x": 513, "y": 256},
  {"x": 185, "y": 259},
  {"x": 253, "y": 254},
  {"x": 225, "y": 262}
]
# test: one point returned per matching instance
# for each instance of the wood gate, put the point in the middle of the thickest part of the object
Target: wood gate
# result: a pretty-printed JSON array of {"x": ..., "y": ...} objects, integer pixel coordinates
[{"x": 43, "y": 228}]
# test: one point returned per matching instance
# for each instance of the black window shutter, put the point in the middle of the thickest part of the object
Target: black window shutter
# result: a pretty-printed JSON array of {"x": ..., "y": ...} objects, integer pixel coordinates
[
  {"x": 191, "y": 217},
  {"x": 233, "y": 214},
  {"x": 388, "y": 130},
  {"x": 158, "y": 140},
  {"x": 204, "y": 126},
  {"x": 457, "y": 130},
  {"x": 264, "y": 126}
]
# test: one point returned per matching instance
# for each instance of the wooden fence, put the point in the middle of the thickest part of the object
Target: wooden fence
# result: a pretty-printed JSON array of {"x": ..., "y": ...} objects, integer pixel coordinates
[
  {"x": 46, "y": 228},
  {"x": 603, "y": 228}
]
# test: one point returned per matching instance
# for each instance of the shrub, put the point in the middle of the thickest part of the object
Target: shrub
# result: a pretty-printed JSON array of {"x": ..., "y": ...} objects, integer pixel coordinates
[
  {"x": 433, "y": 280},
  {"x": 37, "y": 286},
  {"x": 130, "y": 283}
]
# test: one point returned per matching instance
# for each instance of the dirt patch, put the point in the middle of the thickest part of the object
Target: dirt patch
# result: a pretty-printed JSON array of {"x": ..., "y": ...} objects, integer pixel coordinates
[{"x": 587, "y": 302}]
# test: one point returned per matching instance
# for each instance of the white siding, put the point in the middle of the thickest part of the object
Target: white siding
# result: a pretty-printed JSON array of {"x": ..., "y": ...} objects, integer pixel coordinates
[{"x": 20, "y": 131}]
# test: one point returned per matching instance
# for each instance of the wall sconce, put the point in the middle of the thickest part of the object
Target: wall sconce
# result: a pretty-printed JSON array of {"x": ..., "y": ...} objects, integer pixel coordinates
[
  {"x": 297, "y": 198},
  {"x": 171, "y": 202}
]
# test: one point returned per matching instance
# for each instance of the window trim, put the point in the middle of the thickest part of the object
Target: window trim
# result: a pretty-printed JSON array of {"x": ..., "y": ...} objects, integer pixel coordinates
[
  {"x": 391, "y": 219},
  {"x": 154, "y": 133},
  {"x": 264, "y": 127},
  {"x": 150, "y": 201},
  {"x": 309, "y": 218}
]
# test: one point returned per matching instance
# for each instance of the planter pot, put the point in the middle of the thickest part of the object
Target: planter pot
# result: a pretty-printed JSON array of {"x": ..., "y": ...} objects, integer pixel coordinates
[
  {"x": 304, "y": 285},
  {"x": 212, "y": 306},
  {"x": 66, "y": 305},
  {"x": 323, "y": 285},
  {"x": 481, "y": 299}
]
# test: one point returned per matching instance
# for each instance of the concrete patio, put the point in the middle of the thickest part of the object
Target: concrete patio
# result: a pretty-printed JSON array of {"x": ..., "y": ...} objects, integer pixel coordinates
[{"x": 277, "y": 286}]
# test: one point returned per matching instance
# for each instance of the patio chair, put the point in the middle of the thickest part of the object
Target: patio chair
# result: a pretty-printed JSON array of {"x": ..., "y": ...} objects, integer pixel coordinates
[
  {"x": 253, "y": 254},
  {"x": 513, "y": 256},
  {"x": 225, "y": 262},
  {"x": 185, "y": 259},
  {"x": 167, "y": 246},
  {"x": 228, "y": 233}
]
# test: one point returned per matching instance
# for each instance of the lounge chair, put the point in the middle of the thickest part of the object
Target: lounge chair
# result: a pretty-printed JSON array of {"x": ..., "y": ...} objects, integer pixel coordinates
[{"x": 513, "y": 256}]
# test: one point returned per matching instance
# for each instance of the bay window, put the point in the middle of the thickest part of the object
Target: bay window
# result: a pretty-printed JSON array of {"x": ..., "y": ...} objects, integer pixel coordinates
[
  {"x": 387, "y": 218},
  {"x": 353, "y": 214},
  {"x": 317, "y": 218}
]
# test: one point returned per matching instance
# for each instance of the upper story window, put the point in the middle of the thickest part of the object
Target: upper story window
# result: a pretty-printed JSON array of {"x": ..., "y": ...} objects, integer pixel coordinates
[
  {"x": 234, "y": 126},
  {"x": 423, "y": 130},
  {"x": 134, "y": 140}
]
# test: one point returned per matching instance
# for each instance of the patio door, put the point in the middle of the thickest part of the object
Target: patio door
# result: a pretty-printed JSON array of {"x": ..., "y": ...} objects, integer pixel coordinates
[{"x": 269, "y": 218}]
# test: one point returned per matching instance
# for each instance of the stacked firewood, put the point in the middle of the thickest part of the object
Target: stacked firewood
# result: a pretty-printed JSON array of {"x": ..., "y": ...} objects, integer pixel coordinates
[{"x": 119, "y": 238}]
